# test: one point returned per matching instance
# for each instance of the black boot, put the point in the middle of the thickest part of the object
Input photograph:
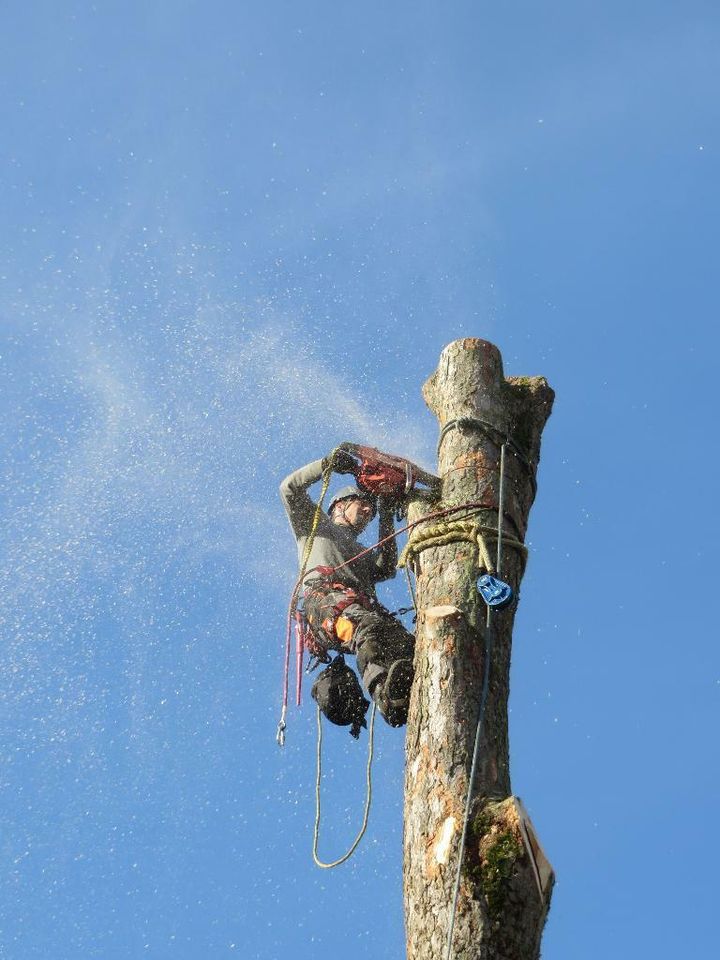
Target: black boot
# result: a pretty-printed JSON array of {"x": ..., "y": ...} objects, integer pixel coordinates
[{"x": 392, "y": 692}]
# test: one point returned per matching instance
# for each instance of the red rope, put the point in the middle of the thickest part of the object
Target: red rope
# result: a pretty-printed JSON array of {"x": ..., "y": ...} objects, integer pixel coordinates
[
  {"x": 286, "y": 679},
  {"x": 299, "y": 649}
]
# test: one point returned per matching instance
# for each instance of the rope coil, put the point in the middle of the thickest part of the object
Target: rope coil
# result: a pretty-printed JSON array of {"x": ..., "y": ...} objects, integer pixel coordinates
[
  {"x": 368, "y": 795},
  {"x": 453, "y": 531}
]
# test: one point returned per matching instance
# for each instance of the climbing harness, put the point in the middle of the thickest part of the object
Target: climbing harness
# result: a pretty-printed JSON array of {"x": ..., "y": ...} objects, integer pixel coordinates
[
  {"x": 305, "y": 639},
  {"x": 481, "y": 712},
  {"x": 368, "y": 794}
]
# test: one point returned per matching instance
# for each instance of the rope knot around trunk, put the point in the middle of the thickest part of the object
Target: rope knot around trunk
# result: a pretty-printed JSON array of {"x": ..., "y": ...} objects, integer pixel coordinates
[{"x": 456, "y": 531}]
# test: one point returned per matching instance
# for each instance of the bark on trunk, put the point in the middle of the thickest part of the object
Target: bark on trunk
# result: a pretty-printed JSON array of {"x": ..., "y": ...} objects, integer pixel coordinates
[{"x": 506, "y": 882}]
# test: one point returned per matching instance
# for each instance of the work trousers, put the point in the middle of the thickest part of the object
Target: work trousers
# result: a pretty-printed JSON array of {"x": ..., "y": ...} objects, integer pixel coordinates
[{"x": 378, "y": 639}]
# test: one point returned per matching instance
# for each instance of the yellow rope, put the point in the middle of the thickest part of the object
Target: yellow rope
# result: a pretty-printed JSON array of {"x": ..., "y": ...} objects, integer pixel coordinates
[
  {"x": 453, "y": 531},
  {"x": 368, "y": 797},
  {"x": 326, "y": 478}
]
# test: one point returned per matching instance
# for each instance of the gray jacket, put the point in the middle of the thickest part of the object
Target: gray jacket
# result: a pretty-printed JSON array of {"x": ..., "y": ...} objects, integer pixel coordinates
[{"x": 334, "y": 544}]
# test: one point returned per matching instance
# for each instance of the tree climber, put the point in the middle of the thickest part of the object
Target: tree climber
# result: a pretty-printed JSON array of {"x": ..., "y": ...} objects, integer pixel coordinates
[{"x": 341, "y": 608}]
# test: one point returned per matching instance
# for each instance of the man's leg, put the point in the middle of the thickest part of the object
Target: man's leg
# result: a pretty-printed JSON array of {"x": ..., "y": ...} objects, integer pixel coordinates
[{"x": 384, "y": 650}]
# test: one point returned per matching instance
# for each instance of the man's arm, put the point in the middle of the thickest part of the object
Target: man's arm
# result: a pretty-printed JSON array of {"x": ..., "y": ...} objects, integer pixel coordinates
[
  {"x": 387, "y": 555},
  {"x": 299, "y": 506}
]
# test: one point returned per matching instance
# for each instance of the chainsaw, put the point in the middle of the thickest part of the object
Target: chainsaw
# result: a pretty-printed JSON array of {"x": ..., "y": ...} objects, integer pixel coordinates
[{"x": 386, "y": 475}]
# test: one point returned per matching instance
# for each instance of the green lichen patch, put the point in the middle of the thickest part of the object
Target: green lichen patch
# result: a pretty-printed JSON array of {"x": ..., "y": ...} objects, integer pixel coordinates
[
  {"x": 497, "y": 869},
  {"x": 498, "y": 851},
  {"x": 483, "y": 823}
]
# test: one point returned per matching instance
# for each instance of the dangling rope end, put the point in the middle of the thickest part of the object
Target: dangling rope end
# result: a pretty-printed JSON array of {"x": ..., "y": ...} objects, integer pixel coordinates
[
  {"x": 368, "y": 796},
  {"x": 280, "y": 735}
]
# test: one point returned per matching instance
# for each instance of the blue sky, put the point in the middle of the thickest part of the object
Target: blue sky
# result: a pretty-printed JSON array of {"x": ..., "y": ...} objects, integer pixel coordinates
[{"x": 235, "y": 234}]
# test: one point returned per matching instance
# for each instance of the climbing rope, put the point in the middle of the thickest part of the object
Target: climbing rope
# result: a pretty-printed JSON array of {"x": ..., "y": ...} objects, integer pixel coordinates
[
  {"x": 441, "y": 534},
  {"x": 368, "y": 795},
  {"x": 481, "y": 713},
  {"x": 473, "y": 766},
  {"x": 501, "y": 499},
  {"x": 326, "y": 477},
  {"x": 496, "y": 436},
  {"x": 411, "y": 591}
]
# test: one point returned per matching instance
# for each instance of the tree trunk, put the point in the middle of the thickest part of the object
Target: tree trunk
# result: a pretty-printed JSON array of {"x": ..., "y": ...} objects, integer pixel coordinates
[{"x": 506, "y": 882}]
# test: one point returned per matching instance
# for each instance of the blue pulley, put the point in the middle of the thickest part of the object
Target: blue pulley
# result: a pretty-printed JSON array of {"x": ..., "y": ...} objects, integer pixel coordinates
[{"x": 496, "y": 593}]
